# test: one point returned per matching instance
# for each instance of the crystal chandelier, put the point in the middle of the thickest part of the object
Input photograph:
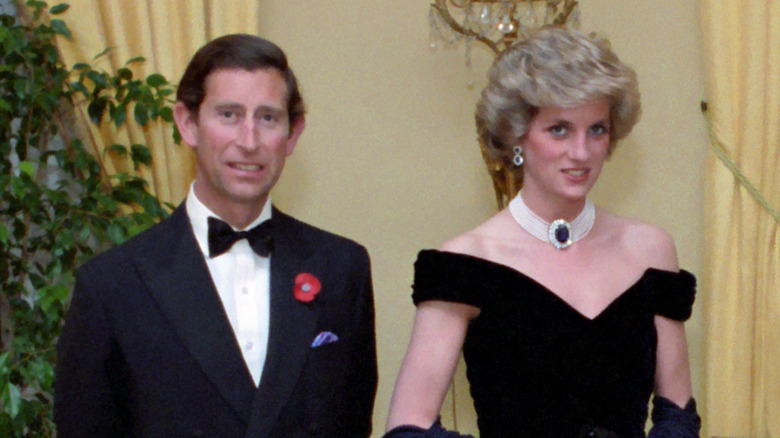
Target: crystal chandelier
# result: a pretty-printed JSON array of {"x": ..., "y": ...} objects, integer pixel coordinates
[{"x": 496, "y": 23}]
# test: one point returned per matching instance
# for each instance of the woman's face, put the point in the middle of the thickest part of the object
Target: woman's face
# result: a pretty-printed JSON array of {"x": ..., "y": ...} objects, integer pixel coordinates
[{"x": 565, "y": 149}]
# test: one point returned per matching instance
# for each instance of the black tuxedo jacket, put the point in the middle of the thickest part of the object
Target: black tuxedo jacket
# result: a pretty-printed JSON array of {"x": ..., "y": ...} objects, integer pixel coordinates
[{"x": 147, "y": 349}]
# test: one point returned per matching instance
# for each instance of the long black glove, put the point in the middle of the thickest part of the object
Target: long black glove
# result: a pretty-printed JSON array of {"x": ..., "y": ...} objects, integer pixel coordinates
[
  {"x": 669, "y": 421},
  {"x": 435, "y": 431}
]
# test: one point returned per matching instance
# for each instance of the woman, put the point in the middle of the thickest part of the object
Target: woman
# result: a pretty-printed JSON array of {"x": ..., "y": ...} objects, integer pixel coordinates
[{"x": 568, "y": 316}]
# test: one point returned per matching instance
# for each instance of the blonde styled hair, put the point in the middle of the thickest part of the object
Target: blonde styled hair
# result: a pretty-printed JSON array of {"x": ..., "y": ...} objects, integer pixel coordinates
[{"x": 553, "y": 67}]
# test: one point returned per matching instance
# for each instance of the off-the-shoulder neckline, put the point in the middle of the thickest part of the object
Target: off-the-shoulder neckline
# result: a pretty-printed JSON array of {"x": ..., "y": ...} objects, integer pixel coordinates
[{"x": 495, "y": 265}]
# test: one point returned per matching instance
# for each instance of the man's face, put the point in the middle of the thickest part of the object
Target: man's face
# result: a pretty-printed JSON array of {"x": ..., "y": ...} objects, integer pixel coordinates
[{"x": 241, "y": 137}]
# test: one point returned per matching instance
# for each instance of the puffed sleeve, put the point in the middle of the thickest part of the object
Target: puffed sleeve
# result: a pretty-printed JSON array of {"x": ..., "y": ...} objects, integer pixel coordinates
[
  {"x": 447, "y": 276},
  {"x": 673, "y": 293}
]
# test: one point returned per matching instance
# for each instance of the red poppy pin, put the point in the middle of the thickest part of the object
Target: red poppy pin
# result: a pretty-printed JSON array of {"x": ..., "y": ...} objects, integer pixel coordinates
[{"x": 306, "y": 287}]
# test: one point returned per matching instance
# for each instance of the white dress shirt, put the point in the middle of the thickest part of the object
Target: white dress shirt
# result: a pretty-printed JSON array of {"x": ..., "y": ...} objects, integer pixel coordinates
[{"x": 243, "y": 281}]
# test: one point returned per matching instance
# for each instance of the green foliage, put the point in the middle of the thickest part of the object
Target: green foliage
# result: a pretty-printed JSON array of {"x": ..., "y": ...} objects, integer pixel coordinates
[{"x": 57, "y": 206}]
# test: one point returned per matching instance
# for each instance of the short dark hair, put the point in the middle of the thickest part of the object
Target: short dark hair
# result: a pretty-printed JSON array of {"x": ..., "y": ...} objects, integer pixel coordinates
[{"x": 237, "y": 51}]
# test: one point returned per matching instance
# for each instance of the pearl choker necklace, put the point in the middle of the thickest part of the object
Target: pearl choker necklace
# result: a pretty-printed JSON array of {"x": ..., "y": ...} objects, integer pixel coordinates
[{"x": 559, "y": 233}]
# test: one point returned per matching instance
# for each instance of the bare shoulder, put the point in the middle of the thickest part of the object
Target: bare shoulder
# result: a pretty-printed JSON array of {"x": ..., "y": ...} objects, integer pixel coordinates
[
  {"x": 479, "y": 241},
  {"x": 649, "y": 244},
  {"x": 462, "y": 244}
]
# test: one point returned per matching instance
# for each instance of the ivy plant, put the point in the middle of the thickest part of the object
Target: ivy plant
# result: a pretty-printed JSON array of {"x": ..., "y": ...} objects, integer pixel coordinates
[{"x": 58, "y": 206}]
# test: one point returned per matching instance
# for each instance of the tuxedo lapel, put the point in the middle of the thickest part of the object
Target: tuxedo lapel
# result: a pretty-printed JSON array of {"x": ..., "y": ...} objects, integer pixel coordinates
[
  {"x": 177, "y": 276},
  {"x": 292, "y": 325}
]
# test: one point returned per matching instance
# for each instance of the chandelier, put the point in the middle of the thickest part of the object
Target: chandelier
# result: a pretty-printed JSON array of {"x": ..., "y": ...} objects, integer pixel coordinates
[{"x": 496, "y": 23}]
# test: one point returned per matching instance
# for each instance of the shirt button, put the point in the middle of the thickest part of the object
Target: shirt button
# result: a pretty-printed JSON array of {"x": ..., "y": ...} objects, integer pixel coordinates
[
  {"x": 249, "y": 345},
  {"x": 244, "y": 291}
]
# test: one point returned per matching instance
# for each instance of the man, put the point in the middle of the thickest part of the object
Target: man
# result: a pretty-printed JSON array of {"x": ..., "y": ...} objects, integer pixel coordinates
[{"x": 194, "y": 329}]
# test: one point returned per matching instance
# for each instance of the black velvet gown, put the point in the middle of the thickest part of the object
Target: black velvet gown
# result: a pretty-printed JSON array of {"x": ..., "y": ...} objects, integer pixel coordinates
[{"x": 539, "y": 368}]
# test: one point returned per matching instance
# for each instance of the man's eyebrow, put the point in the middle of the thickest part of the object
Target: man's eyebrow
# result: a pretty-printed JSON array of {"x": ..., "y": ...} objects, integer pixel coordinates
[
  {"x": 270, "y": 108},
  {"x": 228, "y": 105}
]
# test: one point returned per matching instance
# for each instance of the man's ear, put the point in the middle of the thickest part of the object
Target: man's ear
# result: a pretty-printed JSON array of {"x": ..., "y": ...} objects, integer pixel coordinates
[
  {"x": 295, "y": 133},
  {"x": 187, "y": 123}
]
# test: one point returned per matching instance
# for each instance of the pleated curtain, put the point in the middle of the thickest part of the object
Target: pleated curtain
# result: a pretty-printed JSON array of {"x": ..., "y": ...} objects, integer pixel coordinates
[{"x": 741, "y": 285}]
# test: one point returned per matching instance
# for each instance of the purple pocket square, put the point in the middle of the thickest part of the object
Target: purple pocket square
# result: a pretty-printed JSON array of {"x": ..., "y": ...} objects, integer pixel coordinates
[{"x": 324, "y": 338}]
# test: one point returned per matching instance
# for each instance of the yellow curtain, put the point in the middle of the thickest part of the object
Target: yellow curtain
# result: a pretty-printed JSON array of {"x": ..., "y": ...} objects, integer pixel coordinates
[
  {"x": 741, "y": 287},
  {"x": 166, "y": 33}
]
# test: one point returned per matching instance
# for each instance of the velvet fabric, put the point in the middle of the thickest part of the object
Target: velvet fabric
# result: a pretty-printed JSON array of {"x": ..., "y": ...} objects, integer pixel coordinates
[{"x": 536, "y": 366}]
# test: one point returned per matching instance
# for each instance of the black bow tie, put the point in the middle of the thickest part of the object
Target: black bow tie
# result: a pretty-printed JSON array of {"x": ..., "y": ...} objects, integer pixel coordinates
[{"x": 222, "y": 237}]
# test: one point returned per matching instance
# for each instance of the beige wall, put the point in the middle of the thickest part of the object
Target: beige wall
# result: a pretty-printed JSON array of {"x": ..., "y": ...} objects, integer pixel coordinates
[{"x": 390, "y": 159}]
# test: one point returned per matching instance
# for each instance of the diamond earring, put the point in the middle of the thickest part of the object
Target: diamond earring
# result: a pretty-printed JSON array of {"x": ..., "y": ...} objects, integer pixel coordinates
[{"x": 517, "y": 158}]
